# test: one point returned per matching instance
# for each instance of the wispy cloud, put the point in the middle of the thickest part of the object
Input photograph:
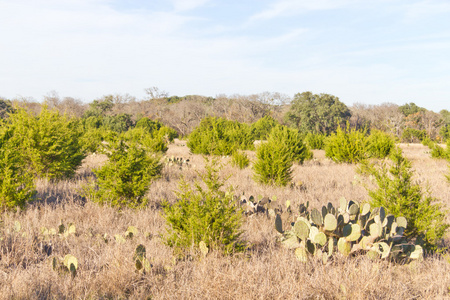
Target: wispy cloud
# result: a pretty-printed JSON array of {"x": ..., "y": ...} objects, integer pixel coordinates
[
  {"x": 292, "y": 7},
  {"x": 185, "y": 5},
  {"x": 89, "y": 48},
  {"x": 426, "y": 8}
]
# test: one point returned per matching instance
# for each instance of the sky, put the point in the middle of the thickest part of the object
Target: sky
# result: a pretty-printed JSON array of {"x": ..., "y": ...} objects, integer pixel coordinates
[{"x": 362, "y": 51}]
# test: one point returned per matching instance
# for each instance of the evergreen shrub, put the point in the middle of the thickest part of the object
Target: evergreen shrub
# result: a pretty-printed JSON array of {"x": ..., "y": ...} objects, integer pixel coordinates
[
  {"x": 16, "y": 183},
  {"x": 260, "y": 130},
  {"x": 155, "y": 141},
  {"x": 380, "y": 144},
  {"x": 204, "y": 213},
  {"x": 397, "y": 192},
  {"x": 276, "y": 156},
  {"x": 157, "y": 129},
  {"x": 219, "y": 136},
  {"x": 347, "y": 145},
  {"x": 49, "y": 142},
  {"x": 412, "y": 135},
  {"x": 315, "y": 140},
  {"x": 240, "y": 159},
  {"x": 124, "y": 180}
]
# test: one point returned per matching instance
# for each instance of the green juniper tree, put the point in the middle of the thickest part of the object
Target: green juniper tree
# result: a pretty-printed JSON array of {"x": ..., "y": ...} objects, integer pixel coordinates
[
  {"x": 397, "y": 192},
  {"x": 49, "y": 142},
  {"x": 275, "y": 157},
  {"x": 204, "y": 213}
]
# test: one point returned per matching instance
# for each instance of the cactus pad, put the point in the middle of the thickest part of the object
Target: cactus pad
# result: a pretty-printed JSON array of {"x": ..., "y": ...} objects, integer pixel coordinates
[
  {"x": 301, "y": 229},
  {"x": 316, "y": 217},
  {"x": 278, "y": 224},
  {"x": 330, "y": 222}
]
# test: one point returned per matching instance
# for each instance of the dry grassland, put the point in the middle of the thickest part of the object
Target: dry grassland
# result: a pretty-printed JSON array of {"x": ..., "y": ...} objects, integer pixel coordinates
[{"x": 265, "y": 271}]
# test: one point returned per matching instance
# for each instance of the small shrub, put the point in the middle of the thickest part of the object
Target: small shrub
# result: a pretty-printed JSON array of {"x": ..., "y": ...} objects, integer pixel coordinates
[
  {"x": 437, "y": 151},
  {"x": 276, "y": 156},
  {"x": 157, "y": 129},
  {"x": 50, "y": 142},
  {"x": 240, "y": 159},
  {"x": 315, "y": 140},
  {"x": 16, "y": 184},
  {"x": 260, "y": 130},
  {"x": 93, "y": 138},
  {"x": 204, "y": 215},
  {"x": 412, "y": 135},
  {"x": 400, "y": 196},
  {"x": 348, "y": 145},
  {"x": 427, "y": 142},
  {"x": 444, "y": 132},
  {"x": 155, "y": 142},
  {"x": 380, "y": 144},
  {"x": 118, "y": 123},
  {"x": 124, "y": 180},
  {"x": 219, "y": 136}
]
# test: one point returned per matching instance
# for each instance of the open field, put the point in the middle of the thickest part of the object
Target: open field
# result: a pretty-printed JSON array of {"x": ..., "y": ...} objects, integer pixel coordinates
[{"x": 266, "y": 271}]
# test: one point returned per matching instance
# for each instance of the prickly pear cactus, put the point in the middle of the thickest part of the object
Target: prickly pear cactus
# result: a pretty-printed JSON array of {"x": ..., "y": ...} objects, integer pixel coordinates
[
  {"x": 141, "y": 262},
  {"x": 68, "y": 264},
  {"x": 348, "y": 230},
  {"x": 203, "y": 248}
]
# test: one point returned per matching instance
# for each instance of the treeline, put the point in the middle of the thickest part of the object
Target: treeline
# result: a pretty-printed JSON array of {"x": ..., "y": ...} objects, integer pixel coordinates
[{"x": 307, "y": 112}]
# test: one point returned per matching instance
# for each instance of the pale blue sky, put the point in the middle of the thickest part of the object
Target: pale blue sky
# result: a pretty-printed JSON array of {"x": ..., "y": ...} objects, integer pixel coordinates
[{"x": 359, "y": 50}]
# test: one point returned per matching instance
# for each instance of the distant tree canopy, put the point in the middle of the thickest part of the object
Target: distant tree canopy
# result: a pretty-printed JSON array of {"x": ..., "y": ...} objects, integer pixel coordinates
[
  {"x": 317, "y": 113},
  {"x": 410, "y": 108},
  {"x": 445, "y": 129},
  {"x": 307, "y": 112}
]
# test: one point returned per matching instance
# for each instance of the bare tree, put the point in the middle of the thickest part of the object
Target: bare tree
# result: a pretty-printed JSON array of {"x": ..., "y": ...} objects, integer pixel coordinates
[{"x": 155, "y": 93}]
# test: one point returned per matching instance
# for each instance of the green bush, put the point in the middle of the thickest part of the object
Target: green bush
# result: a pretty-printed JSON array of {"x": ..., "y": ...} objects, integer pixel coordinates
[
  {"x": 380, "y": 144},
  {"x": 50, "y": 142},
  {"x": 240, "y": 159},
  {"x": 16, "y": 184},
  {"x": 427, "y": 142},
  {"x": 400, "y": 196},
  {"x": 445, "y": 132},
  {"x": 219, "y": 136},
  {"x": 315, "y": 140},
  {"x": 118, "y": 123},
  {"x": 124, "y": 180},
  {"x": 209, "y": 215},
  {"x": 156, "y": 128},
  {"x": 412, "y": 135},
  {"x": 348, "y": 145},
  {"x": 93, "y": 138},
  {"x": 140, "y": 135},
  {"x": 436, "y": 150},
  {"x": 260, "y": 130},
  {"x": 276, "y": 156}
]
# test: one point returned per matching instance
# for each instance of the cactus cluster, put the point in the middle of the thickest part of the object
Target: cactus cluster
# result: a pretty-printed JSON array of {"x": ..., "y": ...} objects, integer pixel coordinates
[
  {"x": 349, "y": 229},
  {"x": 265, "y": 205},
  {"x": 178, "y": 161},
  {"x": 62, "y": 231},
  {"x": 121, "y": 238},
  {"x": 68, "y": 264},
  {"x": 141, "y": 262}
]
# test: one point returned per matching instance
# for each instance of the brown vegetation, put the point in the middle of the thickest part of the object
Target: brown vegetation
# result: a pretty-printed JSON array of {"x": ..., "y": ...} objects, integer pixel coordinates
[{"x": 265, "y": 271}]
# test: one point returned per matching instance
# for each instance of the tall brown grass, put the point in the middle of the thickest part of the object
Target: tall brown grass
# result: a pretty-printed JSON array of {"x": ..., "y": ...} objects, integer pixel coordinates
[{"x": 266, "y": 271}]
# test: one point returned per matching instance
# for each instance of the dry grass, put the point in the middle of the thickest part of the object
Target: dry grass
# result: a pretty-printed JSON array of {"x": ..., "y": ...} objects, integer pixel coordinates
[{"x": 266, "y": 271}]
